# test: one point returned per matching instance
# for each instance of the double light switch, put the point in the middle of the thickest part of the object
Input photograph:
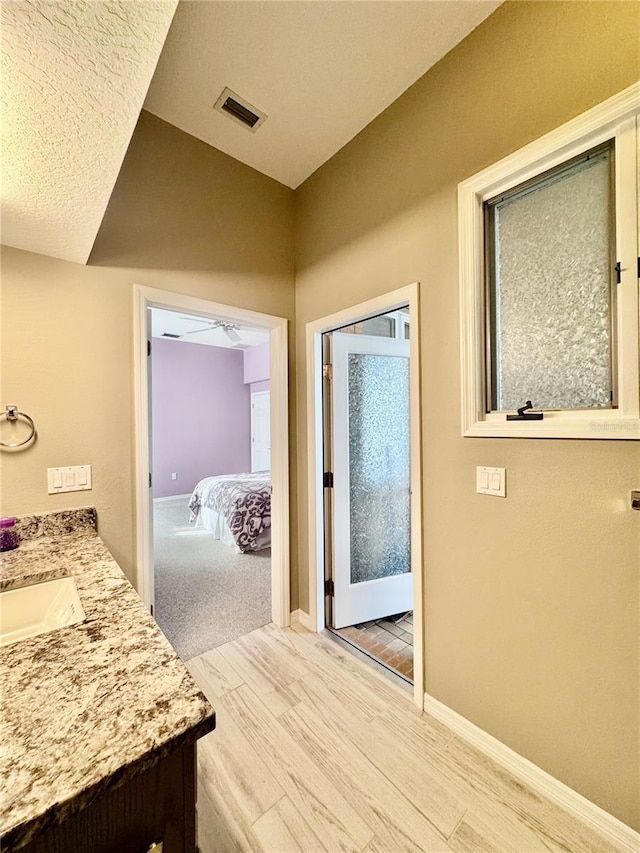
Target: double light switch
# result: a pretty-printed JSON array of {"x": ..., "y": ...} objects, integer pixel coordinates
[{"x": 491, "y": 481}]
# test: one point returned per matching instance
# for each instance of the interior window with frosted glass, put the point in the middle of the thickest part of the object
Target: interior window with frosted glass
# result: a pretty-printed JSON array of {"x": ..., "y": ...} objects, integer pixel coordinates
[{"x": 550, "y": 264}]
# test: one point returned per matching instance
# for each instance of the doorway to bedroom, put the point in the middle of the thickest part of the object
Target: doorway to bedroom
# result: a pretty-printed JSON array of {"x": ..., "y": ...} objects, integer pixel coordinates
[
  {"x": 215, "y": 513},
  {"x": 211, "y": 479}
]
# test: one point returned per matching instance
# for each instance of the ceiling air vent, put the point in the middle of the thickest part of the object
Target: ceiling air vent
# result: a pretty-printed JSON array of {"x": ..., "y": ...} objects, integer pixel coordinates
[
  {"x": 239, "y": 110},
  {"x": 170, "y": 335}
]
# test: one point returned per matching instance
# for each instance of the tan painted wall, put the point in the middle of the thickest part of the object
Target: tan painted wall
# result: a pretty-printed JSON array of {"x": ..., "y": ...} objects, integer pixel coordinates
[
  {"x": 531, "y": 602},
  {"x": 183, "y": 217}
]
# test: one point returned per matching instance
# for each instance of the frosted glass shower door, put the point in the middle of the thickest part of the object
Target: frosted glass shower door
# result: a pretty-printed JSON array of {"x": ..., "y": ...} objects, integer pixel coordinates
[{"x": 371, "y": 478}]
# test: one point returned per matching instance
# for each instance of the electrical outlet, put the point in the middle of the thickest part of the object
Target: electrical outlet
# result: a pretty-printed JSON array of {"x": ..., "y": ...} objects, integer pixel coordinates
[{"x": 174, "y": 476}]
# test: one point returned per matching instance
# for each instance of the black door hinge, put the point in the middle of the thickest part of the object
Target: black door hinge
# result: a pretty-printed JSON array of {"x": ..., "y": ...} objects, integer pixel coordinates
[
  {"x": 618, "y": 270},
  {"x": 638, "y": 267},
  {"x": 148, "y": 348},
  {"x": 151, "y": 608},
  {"x": 149, "y": 480},
  {"x": 329, "y": 588},
  {"x": 327, "y": 480}
]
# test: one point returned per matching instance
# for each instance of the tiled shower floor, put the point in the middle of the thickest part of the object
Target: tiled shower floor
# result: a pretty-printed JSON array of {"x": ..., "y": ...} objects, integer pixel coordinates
[{"x": 388, "y": 640}]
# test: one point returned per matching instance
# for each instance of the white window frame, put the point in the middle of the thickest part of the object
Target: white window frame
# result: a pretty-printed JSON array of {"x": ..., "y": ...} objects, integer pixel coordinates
[
  {"x": 402, "y": 322},
  {"x": 616, "y": 118}
]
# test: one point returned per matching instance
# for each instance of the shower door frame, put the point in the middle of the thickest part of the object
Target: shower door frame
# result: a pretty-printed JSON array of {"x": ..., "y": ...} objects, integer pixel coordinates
[{"x": 392, "y": 301}]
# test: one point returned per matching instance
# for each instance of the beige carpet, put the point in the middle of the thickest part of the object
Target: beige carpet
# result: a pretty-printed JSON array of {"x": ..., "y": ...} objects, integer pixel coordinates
[{"x": 205, "y": 593}]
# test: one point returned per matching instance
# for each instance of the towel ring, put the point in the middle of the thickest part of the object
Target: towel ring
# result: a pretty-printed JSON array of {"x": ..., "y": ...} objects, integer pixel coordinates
[{"x": 12, "y": 414}]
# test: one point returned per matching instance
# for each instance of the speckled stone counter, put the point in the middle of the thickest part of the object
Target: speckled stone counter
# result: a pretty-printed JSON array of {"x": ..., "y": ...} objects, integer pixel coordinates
[{"x": 87, "y": 707}]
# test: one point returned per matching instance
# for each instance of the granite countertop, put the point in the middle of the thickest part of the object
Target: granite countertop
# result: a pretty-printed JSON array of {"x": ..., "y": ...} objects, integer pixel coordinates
[{"x": 86, "y": 707}]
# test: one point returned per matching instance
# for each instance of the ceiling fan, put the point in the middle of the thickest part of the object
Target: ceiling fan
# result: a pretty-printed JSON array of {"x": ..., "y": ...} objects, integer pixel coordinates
[{"x": 230, "y": 329}]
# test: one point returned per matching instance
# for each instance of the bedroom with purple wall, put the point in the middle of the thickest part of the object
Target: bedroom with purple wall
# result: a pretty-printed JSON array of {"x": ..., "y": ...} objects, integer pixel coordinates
[{"x": 201, "y": 413}]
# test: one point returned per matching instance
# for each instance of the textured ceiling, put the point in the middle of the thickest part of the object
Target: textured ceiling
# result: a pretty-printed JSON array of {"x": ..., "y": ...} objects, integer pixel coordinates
[
  {"x": 321, "y": 70},
  {"x": 75, "y": 75}
]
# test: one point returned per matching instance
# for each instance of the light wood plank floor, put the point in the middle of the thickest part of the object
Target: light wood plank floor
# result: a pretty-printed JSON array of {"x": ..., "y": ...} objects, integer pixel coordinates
[{"x": 315, "y": 751}]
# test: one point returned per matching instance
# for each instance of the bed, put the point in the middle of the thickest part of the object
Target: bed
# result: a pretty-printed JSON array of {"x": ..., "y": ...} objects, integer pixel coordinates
[{"x": 235, "y": 508}]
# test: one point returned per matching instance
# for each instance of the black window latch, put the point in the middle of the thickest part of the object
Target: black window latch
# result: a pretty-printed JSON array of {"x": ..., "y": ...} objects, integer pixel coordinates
[{"x": 524, "y": 415}]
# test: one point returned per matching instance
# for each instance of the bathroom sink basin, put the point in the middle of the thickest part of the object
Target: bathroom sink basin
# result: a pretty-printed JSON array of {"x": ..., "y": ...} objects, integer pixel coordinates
[{"x": 37, "y": 609}]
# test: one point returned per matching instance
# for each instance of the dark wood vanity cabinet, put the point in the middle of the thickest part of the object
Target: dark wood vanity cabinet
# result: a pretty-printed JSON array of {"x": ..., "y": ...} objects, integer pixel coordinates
[{"x": 156, "y": 805}]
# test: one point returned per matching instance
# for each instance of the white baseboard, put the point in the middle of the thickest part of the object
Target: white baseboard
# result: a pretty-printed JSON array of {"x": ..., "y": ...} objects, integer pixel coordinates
[
  {"x": 614, "y": 830},
  {"x": 301, "y": 618},
  {"x": 172, "y": 498}
]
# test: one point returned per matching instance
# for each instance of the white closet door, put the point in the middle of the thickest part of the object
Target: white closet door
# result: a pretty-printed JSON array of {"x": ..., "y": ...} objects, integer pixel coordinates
[{"x": 260, "y": 431}]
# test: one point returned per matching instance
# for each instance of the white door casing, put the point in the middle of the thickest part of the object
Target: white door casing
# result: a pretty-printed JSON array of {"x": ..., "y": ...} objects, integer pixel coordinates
[
  {"x": 383, "y": 596},
  {"x": 148, "y": 297},
  {"x": 260, "y": 431},
  {"x": 392, "y": 301},
  {"x": 151, "y": 581}
]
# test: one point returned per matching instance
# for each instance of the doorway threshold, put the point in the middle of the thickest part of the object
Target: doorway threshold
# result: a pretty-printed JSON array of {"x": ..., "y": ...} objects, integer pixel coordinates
[{"x": 351, "y": 639}]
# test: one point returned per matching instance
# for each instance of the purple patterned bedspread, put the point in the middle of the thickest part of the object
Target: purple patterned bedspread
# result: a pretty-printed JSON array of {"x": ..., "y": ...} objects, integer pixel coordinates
[{"x": 243, "y": 499}]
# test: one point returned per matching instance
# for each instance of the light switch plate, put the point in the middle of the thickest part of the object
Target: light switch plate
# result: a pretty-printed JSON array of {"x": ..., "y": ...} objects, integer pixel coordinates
[
  {"x": 491, "y": 481},
  {"x": 73, "y": 478}
]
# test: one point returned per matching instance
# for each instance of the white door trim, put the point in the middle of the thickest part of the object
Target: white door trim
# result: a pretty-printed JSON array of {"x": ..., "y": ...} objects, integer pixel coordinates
[
  {"x": 148, "y": 297},
  {"x": 408, "y": 295}
]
